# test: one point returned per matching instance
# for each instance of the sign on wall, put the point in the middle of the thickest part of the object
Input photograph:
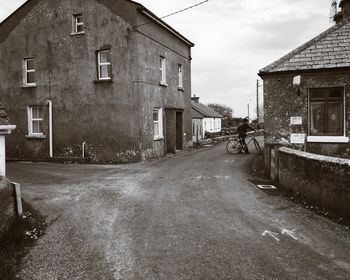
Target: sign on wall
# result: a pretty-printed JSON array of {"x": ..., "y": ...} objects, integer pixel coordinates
[
  {"x": 297, "y": 138},
  {"x": 296, "y": 120}
]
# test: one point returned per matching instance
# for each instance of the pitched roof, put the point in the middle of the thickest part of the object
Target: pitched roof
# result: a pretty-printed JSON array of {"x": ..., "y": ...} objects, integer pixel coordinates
[
  {"x": 203, "y": 110},
  {"x": 26, "y": 7},
  {"x": 330, "y": 49}
]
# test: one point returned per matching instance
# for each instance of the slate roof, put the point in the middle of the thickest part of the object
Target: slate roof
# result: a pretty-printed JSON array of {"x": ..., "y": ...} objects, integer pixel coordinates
[
  {"x": 3, "y": 115},
  {"x": 199, "y": 110},
  {"x": 330, "y": 49}
]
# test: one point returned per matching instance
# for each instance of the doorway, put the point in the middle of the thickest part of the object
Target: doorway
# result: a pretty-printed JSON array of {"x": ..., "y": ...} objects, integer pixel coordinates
[{"x": 179, "y": 131}]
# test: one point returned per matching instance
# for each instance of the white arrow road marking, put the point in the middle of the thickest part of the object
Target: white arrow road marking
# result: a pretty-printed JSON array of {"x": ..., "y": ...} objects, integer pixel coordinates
[
  {"x": 272, "y": 234},
  {"x": 290, "y": 233}
]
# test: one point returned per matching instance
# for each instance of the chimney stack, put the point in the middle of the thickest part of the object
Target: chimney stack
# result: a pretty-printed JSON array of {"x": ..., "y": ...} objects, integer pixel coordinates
[
  {"x": 345, "y": 11},
  {"x": 195, "y": 99}
]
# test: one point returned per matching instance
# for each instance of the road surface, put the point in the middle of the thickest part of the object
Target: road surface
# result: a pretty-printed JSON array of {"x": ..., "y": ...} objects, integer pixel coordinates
[{"x": 193, "y": 216}]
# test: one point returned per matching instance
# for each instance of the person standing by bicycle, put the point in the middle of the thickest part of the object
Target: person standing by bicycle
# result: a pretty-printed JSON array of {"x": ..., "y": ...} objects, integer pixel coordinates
[{"x": 242, "y": 133}]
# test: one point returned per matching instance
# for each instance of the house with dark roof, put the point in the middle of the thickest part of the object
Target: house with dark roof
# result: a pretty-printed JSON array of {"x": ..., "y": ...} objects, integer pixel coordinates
[
  {"x": 307, "y": 94},
  {"x": 204, "y": 120},
  {"x": 103, "y": 79}
]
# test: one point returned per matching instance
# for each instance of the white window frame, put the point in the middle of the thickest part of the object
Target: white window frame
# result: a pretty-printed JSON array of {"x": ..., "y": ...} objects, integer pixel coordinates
[
  {"x": 181, "y": 76},
  {"x": 99, "y": 64},
  {"x": 162, "y": 68},
  {"x": 26, "y": 71},
  {"x": 328, "y": 138},
  {"x": 76, "y": 23},
  {"x": 160, "y": 135},
  {"x": 31, "y": 133}
]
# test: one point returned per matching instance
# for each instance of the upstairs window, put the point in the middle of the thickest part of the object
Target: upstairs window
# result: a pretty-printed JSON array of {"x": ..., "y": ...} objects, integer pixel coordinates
[
  {"x": 326, "y": 112},
  {"x": 180, "y": 75},
  {"x": 162, "y": 65},
  {"x": 78, "y": 24},
  {"x": 104, "y": 65},
  {"x": 35, "y": 121},
  {"x": 158, "y": 123},
  {"x": 29, "y": 72}
]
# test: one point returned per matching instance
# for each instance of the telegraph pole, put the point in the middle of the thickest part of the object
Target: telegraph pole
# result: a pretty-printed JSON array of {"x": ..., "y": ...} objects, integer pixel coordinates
[
  {"x": 248, "y": 112},
  {"x": 257, "y": 101}
]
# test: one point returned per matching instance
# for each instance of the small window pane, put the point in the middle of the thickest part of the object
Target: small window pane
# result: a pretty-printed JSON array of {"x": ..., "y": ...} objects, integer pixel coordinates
[
  {"x": 104, "y": 71},
  {"x": 335, "y": 118},
  {"x": 30, "y": 77},
  {"x": 80, "y": 28},
  {"x": 317, "y": 94},
  {"x": 155, "y": 116},
  {"x": 104, "y": 57},
  {"x": 317, "y": 118},
  {"x": 335, "y": 93},
  {"x": 37, "y": 127},
  {"x": 79, "y": 19},
  {"x": 36, "y": 113},
  {"x": 30, "y": 64},
  {"x": 156, "y": 129}
]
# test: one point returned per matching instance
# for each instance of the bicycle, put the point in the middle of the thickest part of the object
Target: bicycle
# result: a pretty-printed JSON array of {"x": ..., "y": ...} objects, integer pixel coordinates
[{"x": 234, "y": 145}]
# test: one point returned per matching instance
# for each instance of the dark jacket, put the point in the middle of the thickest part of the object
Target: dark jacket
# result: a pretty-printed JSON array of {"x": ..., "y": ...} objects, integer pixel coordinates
[{"x": 243, "y": 129}]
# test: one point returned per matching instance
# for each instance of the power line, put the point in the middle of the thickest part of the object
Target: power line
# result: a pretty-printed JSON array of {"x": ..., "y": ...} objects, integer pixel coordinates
[{"x": 174, "y": 13}]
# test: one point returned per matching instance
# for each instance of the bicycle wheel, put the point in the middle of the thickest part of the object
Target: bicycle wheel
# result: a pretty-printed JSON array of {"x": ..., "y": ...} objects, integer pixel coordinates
[
  {"x": 257, "y": 146},
  {"x": 233, "y": 146}
]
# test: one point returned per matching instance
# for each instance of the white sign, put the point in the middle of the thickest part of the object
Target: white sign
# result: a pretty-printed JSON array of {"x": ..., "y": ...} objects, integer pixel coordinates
[
  {"x": 296, "y": 120},
  {"x": 297, "y": 138}
]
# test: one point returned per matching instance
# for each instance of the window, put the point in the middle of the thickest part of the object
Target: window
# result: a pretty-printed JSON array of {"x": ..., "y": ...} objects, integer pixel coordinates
[
  {"x": 78, "y": 24},
  {"x": 162, "y": 65},
  {"x": 180, "y": 74},
  {"x": 158, "y": 123},
  {"x": 326, "y": 112},
  {"x": 29, "y": 72},
  {"x": 104, "y": 64},
  {"x": 35, "y": 121}
]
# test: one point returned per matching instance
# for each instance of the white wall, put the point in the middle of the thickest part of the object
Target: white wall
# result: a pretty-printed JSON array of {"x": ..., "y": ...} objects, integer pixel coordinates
[{"x": 211, "y": 125}]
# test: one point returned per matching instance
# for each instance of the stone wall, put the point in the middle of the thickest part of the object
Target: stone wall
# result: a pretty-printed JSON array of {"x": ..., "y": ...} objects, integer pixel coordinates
[
  {"x": 7, "y": 205},
  {"x": 282, "y": 101},
  {"x": 322, "y": 179}
]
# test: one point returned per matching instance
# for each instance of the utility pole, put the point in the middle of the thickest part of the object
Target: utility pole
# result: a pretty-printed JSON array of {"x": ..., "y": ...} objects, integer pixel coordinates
[
  {"x": 257, "y": 101},
  {"x": 248, "y": 112}
]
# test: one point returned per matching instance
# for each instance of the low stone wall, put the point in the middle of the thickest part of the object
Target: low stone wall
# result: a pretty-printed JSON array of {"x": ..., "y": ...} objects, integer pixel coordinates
[
  {"x": 325, "y": 180},
  {"x": 7, "y": 205}
]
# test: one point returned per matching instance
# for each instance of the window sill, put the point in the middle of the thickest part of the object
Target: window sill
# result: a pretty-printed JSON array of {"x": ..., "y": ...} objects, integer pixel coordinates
[
  {"x": 180, "y": 89},
  {"x": 328, "y": 139},
  {"x": 163, "y": 84},
  {"x": 29, "y": 86},
  {"x": 77, "y": 34},
  {"x": 38, "y": 136},
  {"x": 103, "y": 81},
  {"x": 158, "y": 138}
]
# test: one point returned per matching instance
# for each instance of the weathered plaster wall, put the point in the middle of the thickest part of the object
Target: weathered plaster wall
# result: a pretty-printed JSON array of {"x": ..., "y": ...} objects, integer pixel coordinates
[
  {"x": 7, "y": 205},
  {"x": 322, "y": 179},
  {"x": 113, "y": 118},
  {"x": 153, "y": 42},
  {"x": 282, "y": 102}
]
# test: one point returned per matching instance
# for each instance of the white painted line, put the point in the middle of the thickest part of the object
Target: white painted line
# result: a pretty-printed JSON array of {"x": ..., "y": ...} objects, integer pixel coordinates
[
  {"x": 290, "y": 233},
  {"x": 267, "y": 187},
  {"x": 272, "y": 234}
]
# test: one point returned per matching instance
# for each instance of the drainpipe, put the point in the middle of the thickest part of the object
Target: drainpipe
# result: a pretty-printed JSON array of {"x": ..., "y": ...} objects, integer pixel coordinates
[{"x": 50, "y": 129}]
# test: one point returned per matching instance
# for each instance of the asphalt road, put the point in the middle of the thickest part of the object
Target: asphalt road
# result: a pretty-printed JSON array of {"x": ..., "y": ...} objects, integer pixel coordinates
[{"x": 193, "y": 216}]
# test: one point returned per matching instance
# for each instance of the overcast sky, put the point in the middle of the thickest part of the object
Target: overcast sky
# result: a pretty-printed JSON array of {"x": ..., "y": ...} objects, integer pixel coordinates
[{"x": 234, "y": 39}]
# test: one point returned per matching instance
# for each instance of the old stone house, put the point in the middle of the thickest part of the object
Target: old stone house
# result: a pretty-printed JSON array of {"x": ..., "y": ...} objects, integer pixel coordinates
[
  {"x": 307, "y": 94},
  {"x": 104, "y": 79},
  {"x": 204, "y": 119}
]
